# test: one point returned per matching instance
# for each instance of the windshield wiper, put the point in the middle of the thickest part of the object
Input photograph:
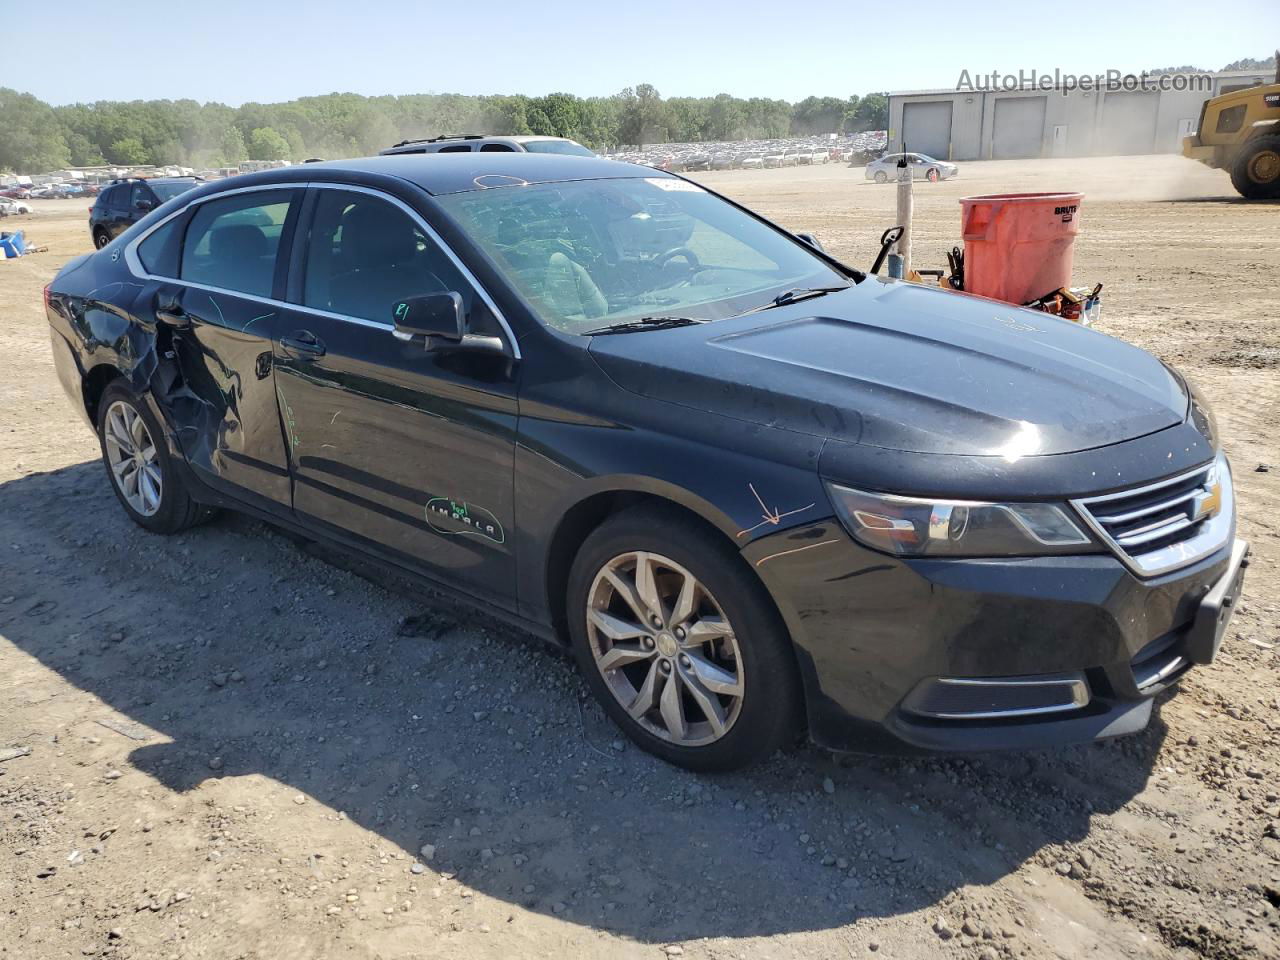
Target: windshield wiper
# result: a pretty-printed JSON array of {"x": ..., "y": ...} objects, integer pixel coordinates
[
  {"x": 795, "y": 296},
  {"x": 647, "y": 323}
]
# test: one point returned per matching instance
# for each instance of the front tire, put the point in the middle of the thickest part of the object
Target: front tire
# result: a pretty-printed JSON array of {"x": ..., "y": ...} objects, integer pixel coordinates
[
  {"x": 681, "y": 644},
  {"x": 1256, "y": 172},
  {"x": 139, "y": 467}
]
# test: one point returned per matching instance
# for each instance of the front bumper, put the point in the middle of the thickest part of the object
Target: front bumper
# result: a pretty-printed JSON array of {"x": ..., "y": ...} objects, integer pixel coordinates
[{"x": 879, "y": 638}]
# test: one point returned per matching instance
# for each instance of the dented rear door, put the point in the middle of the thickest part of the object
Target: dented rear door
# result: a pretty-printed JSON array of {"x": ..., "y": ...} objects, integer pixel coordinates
[{"x": 217, "y": 319}]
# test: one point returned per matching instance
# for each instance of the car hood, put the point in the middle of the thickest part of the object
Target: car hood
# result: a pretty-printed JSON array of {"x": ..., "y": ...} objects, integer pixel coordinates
[{"x": 910, "y": 368}]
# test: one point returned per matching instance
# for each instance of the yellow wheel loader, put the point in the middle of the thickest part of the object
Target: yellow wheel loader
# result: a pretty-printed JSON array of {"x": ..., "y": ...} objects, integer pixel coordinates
[{"x": 1240, "y": 133}]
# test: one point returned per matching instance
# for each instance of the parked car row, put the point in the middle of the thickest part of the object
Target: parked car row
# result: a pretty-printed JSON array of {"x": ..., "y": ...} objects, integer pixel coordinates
[
  {"x": 67, "y": 190},
  {"x": 758, "y": 154}
]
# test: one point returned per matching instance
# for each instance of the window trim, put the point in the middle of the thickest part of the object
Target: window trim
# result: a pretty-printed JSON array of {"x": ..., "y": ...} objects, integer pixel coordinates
[{"x": 135, "y": 266}]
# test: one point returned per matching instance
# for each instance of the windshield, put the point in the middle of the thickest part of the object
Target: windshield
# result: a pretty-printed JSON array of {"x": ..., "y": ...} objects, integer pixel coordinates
[
  {"x": 558, "y": 146},
  {"x": 171, "y": 188},
  {"x": 588, "y": 253}
]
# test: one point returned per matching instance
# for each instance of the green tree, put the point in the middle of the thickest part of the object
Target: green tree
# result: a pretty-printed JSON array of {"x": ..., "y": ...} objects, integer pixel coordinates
[
  {"x": 231, "y": 146},
  {"x": 31, "y": 139},
  {"x": 266, "y": 144},
  {"x": 642, "y": 116},
  {"x": 128, "y": 151},
  {"x": 872, "y": 113}
]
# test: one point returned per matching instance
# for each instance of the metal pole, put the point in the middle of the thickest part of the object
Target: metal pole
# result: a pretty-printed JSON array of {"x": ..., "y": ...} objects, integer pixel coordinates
[{"x": 903, "y": 246}]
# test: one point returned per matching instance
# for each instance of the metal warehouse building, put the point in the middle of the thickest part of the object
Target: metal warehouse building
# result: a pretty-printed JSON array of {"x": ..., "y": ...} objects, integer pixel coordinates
[{"x": 1010, "y": 124}]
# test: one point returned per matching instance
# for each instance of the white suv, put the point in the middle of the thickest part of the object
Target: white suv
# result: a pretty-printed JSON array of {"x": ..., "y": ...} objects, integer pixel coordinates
[{"x": 476, "y": 143}]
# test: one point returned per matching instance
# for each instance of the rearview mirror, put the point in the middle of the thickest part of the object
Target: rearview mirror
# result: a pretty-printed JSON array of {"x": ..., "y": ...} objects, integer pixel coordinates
[{"x": 432, "y": 315}]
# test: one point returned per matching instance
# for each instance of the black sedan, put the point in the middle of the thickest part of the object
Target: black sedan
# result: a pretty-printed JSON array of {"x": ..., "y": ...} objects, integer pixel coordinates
[{"x": 756, "y": 491}]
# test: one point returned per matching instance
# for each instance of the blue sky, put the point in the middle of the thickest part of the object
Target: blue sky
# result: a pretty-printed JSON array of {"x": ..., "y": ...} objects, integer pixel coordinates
[{"x": 236, "y": 51}]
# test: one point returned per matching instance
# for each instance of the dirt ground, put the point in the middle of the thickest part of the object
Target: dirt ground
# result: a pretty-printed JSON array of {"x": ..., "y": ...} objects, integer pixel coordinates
[{"x": 238, "y": 750}]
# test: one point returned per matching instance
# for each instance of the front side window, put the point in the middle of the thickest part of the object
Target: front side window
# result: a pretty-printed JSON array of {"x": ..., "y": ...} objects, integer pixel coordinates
[
  {"x": 587, "y": 253},
  {"x": 1231, "y": 119},
  {"x": 232, "y": 242},
  {"x": 365, "y": 254},
  {"x": 141, "y": 198}
]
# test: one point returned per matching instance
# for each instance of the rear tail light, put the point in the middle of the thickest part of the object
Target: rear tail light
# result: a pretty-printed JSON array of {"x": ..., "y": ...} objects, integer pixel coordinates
[{"x": 47, "y": 297}]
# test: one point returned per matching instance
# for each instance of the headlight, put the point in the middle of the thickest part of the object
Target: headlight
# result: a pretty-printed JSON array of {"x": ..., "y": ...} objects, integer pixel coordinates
[{"x": 955, "y": 528}]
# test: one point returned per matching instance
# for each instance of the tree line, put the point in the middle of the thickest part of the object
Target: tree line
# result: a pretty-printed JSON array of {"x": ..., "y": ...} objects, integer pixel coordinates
[{"x": 36, "y": 137}]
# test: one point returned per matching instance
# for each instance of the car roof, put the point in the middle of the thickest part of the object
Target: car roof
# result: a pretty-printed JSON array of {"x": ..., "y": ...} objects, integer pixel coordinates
[{"x": 442, "y": 173}]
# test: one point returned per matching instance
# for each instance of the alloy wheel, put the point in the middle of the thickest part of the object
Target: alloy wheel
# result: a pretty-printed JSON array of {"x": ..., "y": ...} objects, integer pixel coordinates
[
  {"x": 665, "y": 649},
  {"x": 132, "y": 457}
]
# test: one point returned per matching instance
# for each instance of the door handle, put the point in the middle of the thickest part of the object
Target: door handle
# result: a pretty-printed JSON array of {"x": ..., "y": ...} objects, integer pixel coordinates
[
  {"x": 303, "y": 345},
  {"x": 171, "y": 313}
]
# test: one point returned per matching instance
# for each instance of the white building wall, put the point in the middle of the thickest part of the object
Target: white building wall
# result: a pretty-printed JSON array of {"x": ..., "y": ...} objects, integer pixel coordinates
[{"x": 1079, "y": 112}]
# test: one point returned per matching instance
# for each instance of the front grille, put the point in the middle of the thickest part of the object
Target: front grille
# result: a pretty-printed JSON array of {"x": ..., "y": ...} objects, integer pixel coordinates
[{"x": 1169, "y": 524}]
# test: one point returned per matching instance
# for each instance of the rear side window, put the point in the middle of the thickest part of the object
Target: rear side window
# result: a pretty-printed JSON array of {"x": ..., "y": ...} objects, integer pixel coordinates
[
  {"x": 158, "y": 254},
  {"x": 496, "y": 148},
  {"x": 113, "y": 196},
  {"x": 459, "y": 148},
  {"x": 232, "y": 243}
]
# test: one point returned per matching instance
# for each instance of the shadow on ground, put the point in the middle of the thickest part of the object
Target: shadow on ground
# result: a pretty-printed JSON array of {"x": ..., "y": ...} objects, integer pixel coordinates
[{"x": 480, "y": 741}]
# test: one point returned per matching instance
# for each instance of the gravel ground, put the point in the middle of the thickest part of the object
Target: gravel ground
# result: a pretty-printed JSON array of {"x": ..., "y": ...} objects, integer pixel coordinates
[{"x": 228, "y": 746}]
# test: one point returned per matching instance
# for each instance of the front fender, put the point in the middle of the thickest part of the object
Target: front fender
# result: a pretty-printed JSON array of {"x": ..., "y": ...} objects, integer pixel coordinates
[{"x": 743, "y": 479}]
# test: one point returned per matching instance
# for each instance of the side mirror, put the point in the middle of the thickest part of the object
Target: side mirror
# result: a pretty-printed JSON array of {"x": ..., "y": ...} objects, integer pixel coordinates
[
  {"x": 440, "y": 319},
  {"x": 812, "y": 241},
  {"x": 145, "y": 205},
  {"x": 432, "y": 315}
]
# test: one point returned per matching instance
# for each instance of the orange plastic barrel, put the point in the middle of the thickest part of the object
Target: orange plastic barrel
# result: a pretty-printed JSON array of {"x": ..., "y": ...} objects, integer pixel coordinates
[{"x": 1019, "y": 246}]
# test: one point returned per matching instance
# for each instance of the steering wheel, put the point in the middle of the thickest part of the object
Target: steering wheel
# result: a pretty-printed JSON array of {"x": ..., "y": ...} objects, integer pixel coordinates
[{"x": 694, "y": 263}]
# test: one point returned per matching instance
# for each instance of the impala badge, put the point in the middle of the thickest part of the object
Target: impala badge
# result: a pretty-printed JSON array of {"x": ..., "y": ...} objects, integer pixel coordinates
[{"x": 459, "y": 518}]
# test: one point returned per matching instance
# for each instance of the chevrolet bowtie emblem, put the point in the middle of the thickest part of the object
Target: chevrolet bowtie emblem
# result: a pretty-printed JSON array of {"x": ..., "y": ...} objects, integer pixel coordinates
[{"x": 1208, "y": 501}]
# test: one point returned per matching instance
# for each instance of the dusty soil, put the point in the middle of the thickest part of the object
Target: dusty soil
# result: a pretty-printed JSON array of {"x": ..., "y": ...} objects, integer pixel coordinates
[{"x": 239, "y": 750}]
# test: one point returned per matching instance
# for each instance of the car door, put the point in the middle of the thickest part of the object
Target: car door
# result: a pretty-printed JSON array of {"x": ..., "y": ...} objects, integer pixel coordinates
[
  {"x": 410, "y": 451},
  {"x": 216, "y": 274}
]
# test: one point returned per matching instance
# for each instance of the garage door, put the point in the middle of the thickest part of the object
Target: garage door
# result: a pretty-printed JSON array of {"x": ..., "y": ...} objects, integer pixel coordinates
[
  {"x": 1128, "y": 123},
  {"x": 1018, "y": 130},
  {"x": 926, "y": 128}
]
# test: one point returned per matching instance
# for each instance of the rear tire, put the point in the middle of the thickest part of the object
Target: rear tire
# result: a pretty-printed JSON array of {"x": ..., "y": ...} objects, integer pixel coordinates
[
  {"x": 737, "y": 695},
  {"x": 100, "y": 239},
  {"x": 1256, "y": 172},
  {"x": 139, "y": 467},
  {"x": 881, "y": 177}
]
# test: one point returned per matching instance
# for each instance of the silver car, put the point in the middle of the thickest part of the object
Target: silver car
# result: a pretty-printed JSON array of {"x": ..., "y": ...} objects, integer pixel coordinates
[{"x": 923, "y": 167}]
